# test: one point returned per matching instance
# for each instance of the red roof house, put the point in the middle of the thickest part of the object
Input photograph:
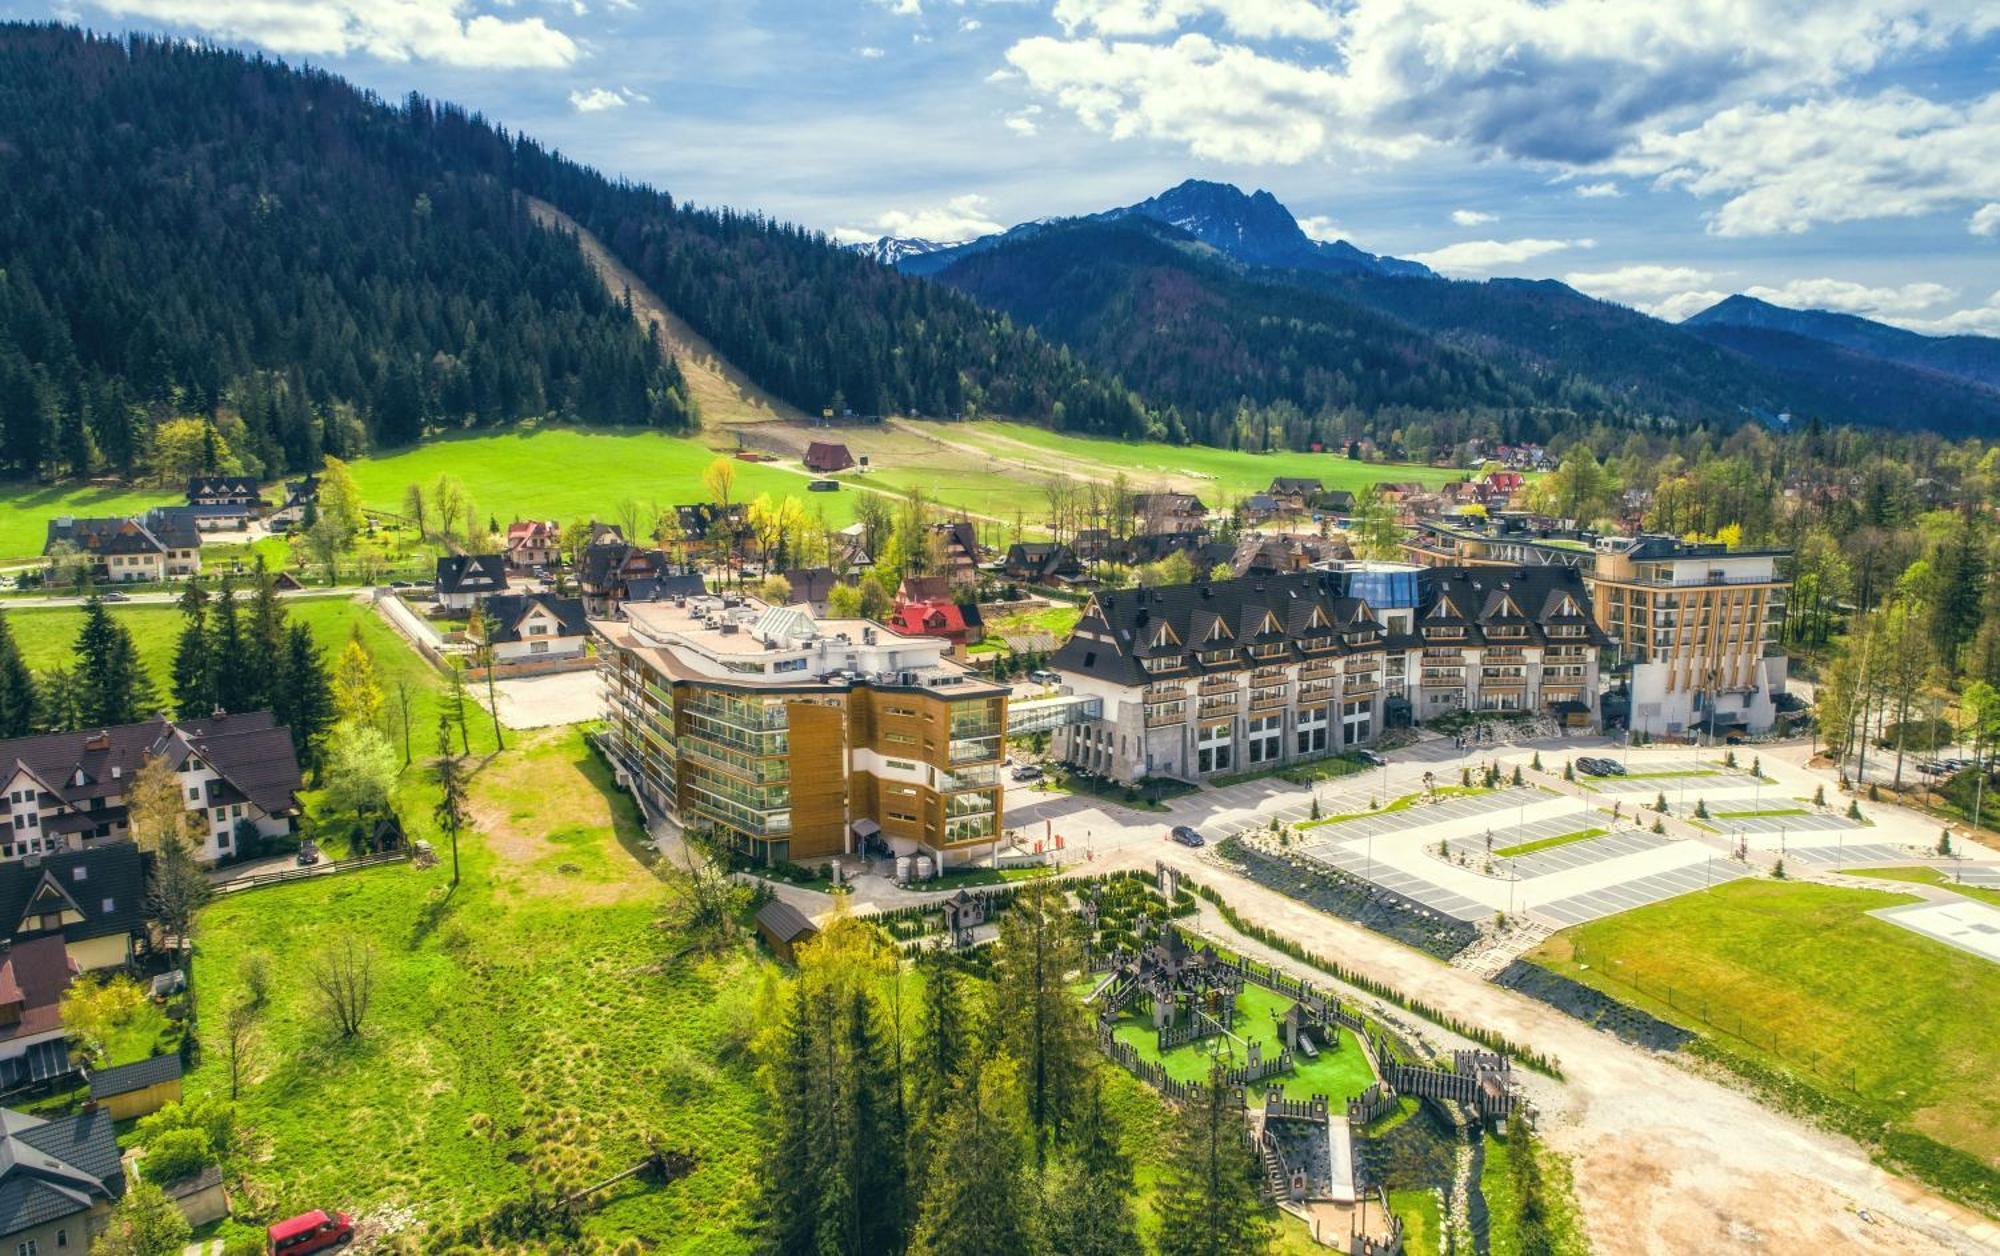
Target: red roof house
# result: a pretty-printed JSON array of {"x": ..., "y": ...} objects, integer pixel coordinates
[
  {"x": 824, "y": 456},
  {"x": 533, "y": 542},
  {"x": 960, "y": 625}
]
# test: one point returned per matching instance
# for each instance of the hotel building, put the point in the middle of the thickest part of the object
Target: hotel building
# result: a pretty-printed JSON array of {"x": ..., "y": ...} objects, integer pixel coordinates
[{"x": 795, "y": 738}]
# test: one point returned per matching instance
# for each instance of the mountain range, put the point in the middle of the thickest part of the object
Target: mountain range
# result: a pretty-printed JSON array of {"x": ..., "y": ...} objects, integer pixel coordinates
[{"x": 1205, "y": 294}]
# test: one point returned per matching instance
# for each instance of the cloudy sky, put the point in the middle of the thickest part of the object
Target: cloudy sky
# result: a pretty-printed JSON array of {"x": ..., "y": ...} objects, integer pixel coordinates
[{"x": 1843, "y": 154}]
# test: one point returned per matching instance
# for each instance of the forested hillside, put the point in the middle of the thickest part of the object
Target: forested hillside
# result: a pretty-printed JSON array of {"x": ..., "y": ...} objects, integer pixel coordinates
[{"x": 190, "y": 232}]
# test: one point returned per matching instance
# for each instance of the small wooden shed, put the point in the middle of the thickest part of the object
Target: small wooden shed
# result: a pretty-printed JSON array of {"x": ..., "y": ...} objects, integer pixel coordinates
[
  {"x": 783, "y": 926},
  {"x": 138, "y": 1089}
]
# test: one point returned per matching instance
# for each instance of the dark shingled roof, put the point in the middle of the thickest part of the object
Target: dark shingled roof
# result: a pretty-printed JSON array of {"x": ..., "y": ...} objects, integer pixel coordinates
[
  {"x": 661, "y": 588},
  {"x": 105, "y": 884},
  {"x": 783, "y": 921},
  {"x": 1120, "y": 628},
  {"x": 472, "y": 573},
  {"x": 55, "y": 1169},
  {"x": 508, "y": 610},
  {"x": 126, "y": 1078},
  {"x": 1293, "y": 485}
]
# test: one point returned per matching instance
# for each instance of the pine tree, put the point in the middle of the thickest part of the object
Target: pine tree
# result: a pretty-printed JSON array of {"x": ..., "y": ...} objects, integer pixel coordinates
[
  {"x": 1209, "y": 1202},
  {"x": 976, "y": 1200},
  {"x": 1087, "y": 1195},
  {"x": 20, "y": 705},
  {"x": 234, "y": 690},
  {"x": 942, "y": 1042},
  {"x": 115, "y": 686},
  {"x": 868, "y": 1128},
  {"x": 194, "y": 671},
  {"x": 789, "y": 1169},
  {"x": 264, "y": 644},
  {"x": 1041, "y": 944},
  {"x": 305, "y": 697}
]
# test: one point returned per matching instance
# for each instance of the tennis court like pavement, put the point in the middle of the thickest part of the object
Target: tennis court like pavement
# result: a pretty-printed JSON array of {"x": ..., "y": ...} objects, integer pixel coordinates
[{"x": 1967, "y": 925}]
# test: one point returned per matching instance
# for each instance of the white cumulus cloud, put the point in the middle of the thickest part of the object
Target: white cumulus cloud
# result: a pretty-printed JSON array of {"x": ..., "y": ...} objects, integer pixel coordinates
[
  {"x": 1483, "y": 257},
  {"x": 1251, "y": 19},
  {"x": 445, "y": 31},
  {"x": 960, "y": 218},
  {"x": 1599, "y": 191},
  {"x": 871, "y": 52},
  {"x": 1321, "y": 227},
  {"x": 1853, "y": 298},
  {"x": 1985, "y": 220},
  {"x": 1669, "y": 292},
  {"x": 1472, "y": 217},
  {"x": 596, "y": 100}
]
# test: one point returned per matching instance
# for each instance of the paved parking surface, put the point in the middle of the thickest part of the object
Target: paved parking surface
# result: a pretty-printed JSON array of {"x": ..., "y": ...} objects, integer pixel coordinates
[
  {"x": 1641, "y": 892},
  {"x": 1566, "y": 858},
  {"x": 1986, "y": 877},
  {"x": 1859, "y": 854},
  {"x": 1410, "y": 886},
  {"x": 1808, "y": 822}
]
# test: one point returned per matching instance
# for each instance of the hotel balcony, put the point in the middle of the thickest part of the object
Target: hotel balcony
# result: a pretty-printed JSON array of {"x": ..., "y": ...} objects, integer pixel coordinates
[
  {"x": 1318, "y": 668},
  {"x": 1265, "y": 699},
  {"x": 1166, "y": 713},
  {"x": 1220, "y": 684},
  {"x": 1229, "y": 704},
  {"x": 974, "y": 750}
]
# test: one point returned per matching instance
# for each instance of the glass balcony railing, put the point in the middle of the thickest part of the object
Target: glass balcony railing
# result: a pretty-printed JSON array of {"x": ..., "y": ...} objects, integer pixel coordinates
[{"x": 974, "y": 750}]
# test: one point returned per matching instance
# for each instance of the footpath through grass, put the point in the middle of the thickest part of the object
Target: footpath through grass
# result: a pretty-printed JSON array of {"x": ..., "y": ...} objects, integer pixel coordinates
[{"x": 1798, "y": 977}]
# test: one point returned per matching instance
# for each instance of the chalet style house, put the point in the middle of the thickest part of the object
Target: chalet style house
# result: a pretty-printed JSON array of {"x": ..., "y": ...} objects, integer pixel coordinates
[
  {"x": 533, "y": 543},
  {"x": 464, "y": 579},
  {"x": 60, "y": 1177},
  {"x": 299, "y": 496},
  {"x": 1170, "y": 512},
  {"x": 224, "y": 503},
  {"x": 958, "y": 623},
  {"x": 826, "y": 457},
  {"x": 794, "y": 737},
  {"x": 65, "y": 791},
  {"x": 1208, "y": 678},
  {"x": 529, "y": 626},
  {"x": 1293, "y": 492},
  {"x": 162, "y": 544},
  {"x": 91, "y": 899},
  {"x": 612, "y": 573},
  {"x": 1040, "y": 562},
  {"x": 959, "y": 545}
]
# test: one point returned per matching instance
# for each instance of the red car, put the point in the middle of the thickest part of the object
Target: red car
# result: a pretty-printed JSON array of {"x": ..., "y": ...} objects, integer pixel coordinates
[{"x": 314, "y": 1231}]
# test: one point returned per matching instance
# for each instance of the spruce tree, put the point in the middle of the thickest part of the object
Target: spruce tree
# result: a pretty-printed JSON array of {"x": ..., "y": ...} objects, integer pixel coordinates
[
  {"x": 194, "y": 672},
  {"x": 19, "y": 704},
  {"x": 1041, "y": 945},
  {"x": 789, "y": 1169},
  {"x": 234, "y": 690},
  {"x": 264, "y": 644},
  {"x": 942, "y": 1042},
  {"x": 305, "y": 695},
  {"x": 976, "y": 1200},
  {"x": 868, "y": 1129},
  {"x": 1087, "y": 1194},
  {"x": 1209, "y": 1200},
  {"x": 115, "y": 686}
]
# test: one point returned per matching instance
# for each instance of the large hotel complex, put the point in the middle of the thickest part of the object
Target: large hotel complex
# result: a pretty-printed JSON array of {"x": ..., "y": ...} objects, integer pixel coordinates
[
  {"x": 794, "y": 738},
  {"x": 1209, "y": 679}
]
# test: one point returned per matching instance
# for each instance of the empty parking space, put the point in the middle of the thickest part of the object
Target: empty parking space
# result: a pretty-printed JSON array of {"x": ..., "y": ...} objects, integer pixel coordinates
[
  {"x": 1641, "y": 891},
  {"x": 1581, "y": 854},
  {"x": 1986, "y": 877},
  {"x": 1408, "y": 885},
  {"x": 1805, "y": 822},
  {"x": 1859, "y": 854}
]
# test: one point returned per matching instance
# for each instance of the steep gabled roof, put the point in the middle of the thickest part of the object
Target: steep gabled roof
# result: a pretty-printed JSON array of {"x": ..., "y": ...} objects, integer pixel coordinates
[
  {"x": 472, "y": 573},
  {"x": 509, "y": 611},
  {"x": 56, "y": 1168}
]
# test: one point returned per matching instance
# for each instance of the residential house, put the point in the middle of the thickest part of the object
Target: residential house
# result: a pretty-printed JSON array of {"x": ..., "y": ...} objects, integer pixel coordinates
[
  {"x": 1169, "y": 512},
  {"x": 300, "y": 495},
  {"x": 1091, "y": 544},
  {"x": 811, "y": 586},
  {"x": 1216, "y": 677},
  {"x": 1259, "y": 506},
  {"x": 69, "y": 790},
  {"x": 164, "y": 543},
  {"x": 958, "y": 544},
  {"x": 91, "y": 898},
  {"x": 60, "y": 1177},
  {"x": 850, "y": 552},
  {"x": 923, "y": 589},
  {"x": 34, "y": 1042},
  {"x": 1335, "y": 501},
  {"x": 957, "y": 622},
  {"x": 463, "y": 579},
  {"x": 533, "y": 543},
  {"x": 1294, "y": 492},
  {"x": 611, "y": 573},
  {"x": 827, "y": 457},
  {"x": 224, "y": 502},
  {"x": 531, "y": 626},
  {"x": 796, "y": 738},
  {"x": 1040, "y": 562},
  {"x": 665, "y": 585},
  {"x": 1396, "y": 491}
]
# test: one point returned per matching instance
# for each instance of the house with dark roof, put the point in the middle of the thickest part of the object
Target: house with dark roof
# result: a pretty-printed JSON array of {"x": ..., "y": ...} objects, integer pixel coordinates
[
  {"x": 463, "y": 579},
  {"x": 611, "y": 573},
  {"x": 1234, "y": 675},
  {"x": 533, "y": 543},
  {"x": 826, "y": 456},
  {"x": 959, "y": 541},
  {"x": 301, "y": 496},
  {"x": 1040, "y": 562},
  {"x": 60, "y": 1177},
  {"x": 811, "y": 586},
  {"x": 92, "y": 898},
  {"x": 164, "y": 543},
  {"x": 224, "y": 502},
  {"x": 65, "y": 791},
  {"x": 1335, "y": 501},
  {"x": 1294, "y": 492},
  {"x": 1169, "y": 512},
  {"x": 1260, "y": 506},
  {"x": 527, "y": 626}
]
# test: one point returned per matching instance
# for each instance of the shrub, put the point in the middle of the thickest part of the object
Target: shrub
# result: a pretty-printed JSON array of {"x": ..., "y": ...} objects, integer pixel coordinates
[
  {"x": 1517, "y": 774},
  {"x": 1701, "y": 809},
  {"x": 1659, "y": 826},
  {"x": 178, "y": 1154},
  {"x": 1853, "y": 810},
  {"x": 1569, "y": 770},
  {"x": 1660, "y": 803},
  {"x": 1778, "y": 870},
  {"x": 1944, "y": 841},
  {"x": 1536, "y": 762},
  {"x": 1729, "y": 758},
  {"x": 1819, "y": 796}
]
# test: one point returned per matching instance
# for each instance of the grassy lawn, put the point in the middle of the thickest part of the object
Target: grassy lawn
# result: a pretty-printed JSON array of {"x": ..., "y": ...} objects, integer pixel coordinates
[
  {"x": 1055, "y": 620},
  {"x": 25, "y": 510},
  {"x": 1331, "y": 768},
  {"x": 1560, "y": 839},
  {"x": 147, "y": 1034},
  {"x": 1423, "y": 1221},
  {"x": 1339, "y": 1074},
  {"x": 1907, "y": 1020},
  {"x": 524, "y": 1028},
  {"x": 1235, "y": 473},
  {"x": 1928, "y": 876}
]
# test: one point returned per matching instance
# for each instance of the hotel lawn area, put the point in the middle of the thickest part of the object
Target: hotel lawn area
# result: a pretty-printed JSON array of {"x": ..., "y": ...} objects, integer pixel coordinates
[
  {"x": 1339, "y": 1074},
  {"x": 1855, "y": 1010}
]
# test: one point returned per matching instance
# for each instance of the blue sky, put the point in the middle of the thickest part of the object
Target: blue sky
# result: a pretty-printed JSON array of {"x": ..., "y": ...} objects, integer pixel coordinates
[{"x": 1834, "y": 153}]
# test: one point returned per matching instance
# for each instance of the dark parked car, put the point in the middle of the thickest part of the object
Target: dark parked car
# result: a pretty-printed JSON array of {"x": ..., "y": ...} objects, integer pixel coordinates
[
  {"x": 1372, "y": 759},
  {"x": 1186, "y": 836}
]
